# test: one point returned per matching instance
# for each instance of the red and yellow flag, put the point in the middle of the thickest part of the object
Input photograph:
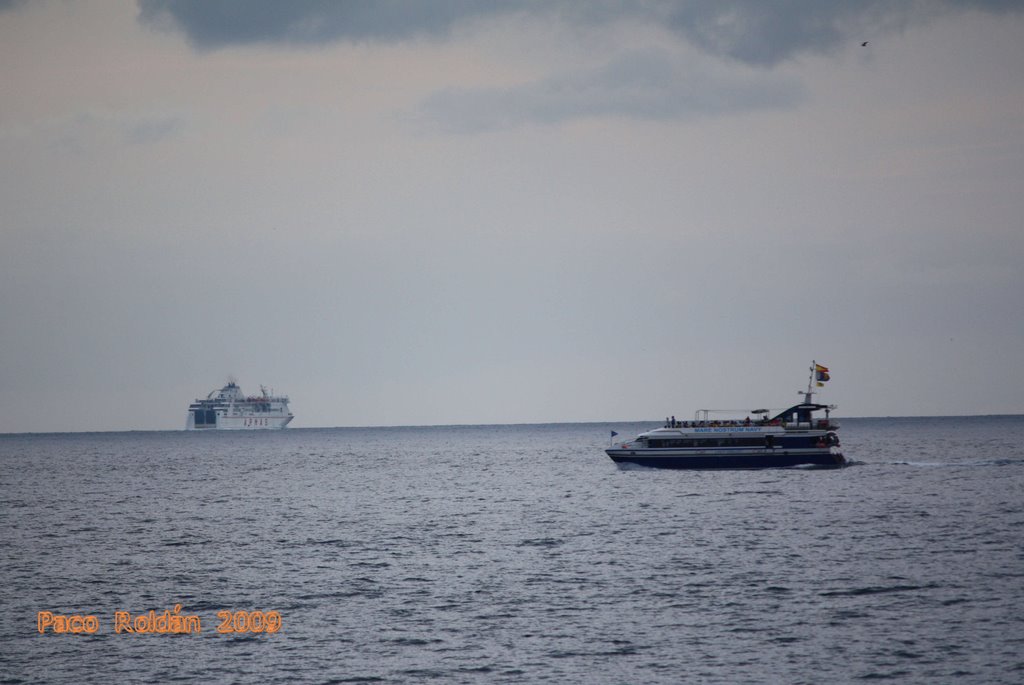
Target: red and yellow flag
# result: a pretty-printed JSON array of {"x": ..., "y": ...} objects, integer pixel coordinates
[{"x": 820, "y": 374}]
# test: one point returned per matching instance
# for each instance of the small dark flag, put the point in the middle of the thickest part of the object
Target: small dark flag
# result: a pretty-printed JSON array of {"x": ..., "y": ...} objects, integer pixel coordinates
[{"x": 614, "y": 434}]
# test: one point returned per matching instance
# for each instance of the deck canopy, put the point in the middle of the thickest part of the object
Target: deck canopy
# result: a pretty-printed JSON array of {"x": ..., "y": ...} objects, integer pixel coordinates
[{"x": 801, "y": 413}]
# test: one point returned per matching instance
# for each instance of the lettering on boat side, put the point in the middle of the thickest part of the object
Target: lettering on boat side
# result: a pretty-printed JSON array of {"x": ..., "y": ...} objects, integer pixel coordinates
[{"x": 167, "y": 622}]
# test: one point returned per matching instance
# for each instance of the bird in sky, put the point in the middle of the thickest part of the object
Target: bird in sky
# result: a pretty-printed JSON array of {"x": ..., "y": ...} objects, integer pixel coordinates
[{"x": 864, "y": 44}]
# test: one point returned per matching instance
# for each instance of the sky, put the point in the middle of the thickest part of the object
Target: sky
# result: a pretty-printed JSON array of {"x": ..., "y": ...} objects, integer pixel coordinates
[{"x": 459, "y": 212}]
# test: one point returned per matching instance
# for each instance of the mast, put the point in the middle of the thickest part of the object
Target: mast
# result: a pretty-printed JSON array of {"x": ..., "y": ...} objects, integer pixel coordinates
[{"x": 809, "y": 395}]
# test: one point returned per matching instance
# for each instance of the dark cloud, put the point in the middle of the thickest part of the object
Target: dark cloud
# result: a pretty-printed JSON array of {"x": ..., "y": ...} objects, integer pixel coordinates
[
  {"x": 765, "y": 33},
  {"x": 737, "y": 34},
  {"x": 750, "y": 31},
  {"x": 643, "y": 85},
  {"x": 212, "y": 24}
]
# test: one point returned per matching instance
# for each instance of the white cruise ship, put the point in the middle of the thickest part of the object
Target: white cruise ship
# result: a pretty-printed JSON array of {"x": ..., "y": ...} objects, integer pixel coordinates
[{"x": 229, "y": 409}]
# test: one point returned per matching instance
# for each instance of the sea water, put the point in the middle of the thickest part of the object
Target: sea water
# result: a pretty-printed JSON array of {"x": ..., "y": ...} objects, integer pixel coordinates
[{"x": 516, "y": 554}]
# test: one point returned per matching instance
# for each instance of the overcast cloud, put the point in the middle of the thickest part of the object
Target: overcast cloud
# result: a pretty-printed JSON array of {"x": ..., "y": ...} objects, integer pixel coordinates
[
  {"x": 642, "y": 85},
  {"x": 469, "y": 212}
]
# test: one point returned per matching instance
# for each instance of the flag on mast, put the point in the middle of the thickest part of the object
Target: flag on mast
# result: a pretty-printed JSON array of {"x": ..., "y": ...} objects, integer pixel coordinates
[{"x": 821, "y": 374}]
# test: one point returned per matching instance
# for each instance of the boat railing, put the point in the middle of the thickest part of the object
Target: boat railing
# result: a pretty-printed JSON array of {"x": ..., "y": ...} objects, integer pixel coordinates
[
  {"x": 816, "y": 424},
  {"x": 722, "y": 423}
]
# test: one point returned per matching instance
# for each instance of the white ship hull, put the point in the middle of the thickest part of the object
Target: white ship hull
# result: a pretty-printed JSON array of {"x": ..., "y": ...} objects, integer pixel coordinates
[
  {"x": 229, "y": 409},
  {"x": 243, "y": 423}
]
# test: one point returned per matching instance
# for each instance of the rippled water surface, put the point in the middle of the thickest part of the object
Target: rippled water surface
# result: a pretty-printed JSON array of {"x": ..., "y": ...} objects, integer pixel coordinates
[{"x": 516, "y": 554}]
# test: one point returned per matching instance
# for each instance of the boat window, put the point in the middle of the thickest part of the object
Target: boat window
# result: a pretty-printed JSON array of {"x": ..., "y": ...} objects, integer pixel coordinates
[{"x": 685, "y": 443}]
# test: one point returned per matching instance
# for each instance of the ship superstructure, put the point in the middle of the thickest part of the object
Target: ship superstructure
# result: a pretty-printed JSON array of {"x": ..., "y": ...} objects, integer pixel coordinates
[{"x": 230, "y": 409}]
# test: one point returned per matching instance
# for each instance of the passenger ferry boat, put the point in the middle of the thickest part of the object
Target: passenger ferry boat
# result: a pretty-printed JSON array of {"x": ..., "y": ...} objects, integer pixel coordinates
[
  {"x": 229, "y": 409},
  {"x": 793, "y": 437}
]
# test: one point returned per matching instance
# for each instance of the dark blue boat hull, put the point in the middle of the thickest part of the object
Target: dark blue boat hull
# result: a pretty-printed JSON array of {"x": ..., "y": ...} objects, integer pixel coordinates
[{"x": 749, "y": 460}]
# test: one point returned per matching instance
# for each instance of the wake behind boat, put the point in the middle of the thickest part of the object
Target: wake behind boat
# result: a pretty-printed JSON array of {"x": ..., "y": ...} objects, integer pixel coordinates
[
  {"x": 229, "y": 409},
  {"x": 793, "y": 437}
]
